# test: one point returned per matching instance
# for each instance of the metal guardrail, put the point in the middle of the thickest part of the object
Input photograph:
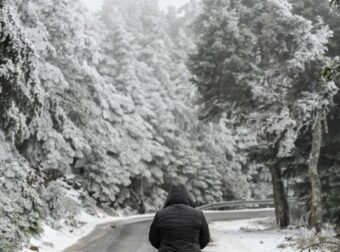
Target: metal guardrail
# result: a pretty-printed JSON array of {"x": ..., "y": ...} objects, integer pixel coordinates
[{"x": 240, "y": 203}]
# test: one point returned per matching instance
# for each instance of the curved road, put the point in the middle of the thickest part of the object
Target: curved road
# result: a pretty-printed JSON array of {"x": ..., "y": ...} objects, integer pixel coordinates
[{"x": 132, "y": 235}]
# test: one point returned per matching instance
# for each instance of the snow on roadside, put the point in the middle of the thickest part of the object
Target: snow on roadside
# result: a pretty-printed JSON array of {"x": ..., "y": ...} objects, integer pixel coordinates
[
  {"x": 57, "y": 240},
  {"x": 80, "y": 225},
  {"x": 248, "y": 235}
]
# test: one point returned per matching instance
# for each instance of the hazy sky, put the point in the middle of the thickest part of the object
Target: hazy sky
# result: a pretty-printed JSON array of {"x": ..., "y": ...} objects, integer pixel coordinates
[{"x": 95, "y": 4}]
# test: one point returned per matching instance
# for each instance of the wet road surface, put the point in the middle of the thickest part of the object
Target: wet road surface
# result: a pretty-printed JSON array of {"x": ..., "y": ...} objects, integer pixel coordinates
[{"x": 132, "y": 236}]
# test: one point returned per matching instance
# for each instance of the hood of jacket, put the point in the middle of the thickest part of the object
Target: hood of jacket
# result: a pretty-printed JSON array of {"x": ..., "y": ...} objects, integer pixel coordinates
[{"x": 178, "y": 194}]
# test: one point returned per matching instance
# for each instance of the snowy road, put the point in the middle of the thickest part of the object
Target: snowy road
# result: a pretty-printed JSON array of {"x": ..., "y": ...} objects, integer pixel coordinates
[{"x": 133, "y": 236}]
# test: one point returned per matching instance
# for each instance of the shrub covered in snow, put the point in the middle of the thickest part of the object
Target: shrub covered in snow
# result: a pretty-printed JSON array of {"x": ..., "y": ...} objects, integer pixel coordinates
[{"x": 20, "y": 205}]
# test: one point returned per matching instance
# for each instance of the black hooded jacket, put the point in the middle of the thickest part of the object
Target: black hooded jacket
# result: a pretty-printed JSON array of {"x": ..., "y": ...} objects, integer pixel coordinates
[{"x": 179, "y": 227}]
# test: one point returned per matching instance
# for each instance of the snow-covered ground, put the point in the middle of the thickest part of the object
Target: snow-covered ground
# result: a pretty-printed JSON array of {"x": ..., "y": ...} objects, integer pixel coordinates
[
  {"x": 256, "y": 235},
  {"x": 57, "y": 240}
]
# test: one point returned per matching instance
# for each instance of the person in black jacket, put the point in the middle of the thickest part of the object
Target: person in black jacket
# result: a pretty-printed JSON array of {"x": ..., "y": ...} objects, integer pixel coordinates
[{"x": 179, "y": 227}]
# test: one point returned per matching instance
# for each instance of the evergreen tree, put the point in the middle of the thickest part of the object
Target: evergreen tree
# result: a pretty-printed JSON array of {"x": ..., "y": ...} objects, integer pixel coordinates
[
  {"x": 108, "y": 108},
  {"x": 319, "y": 11},
  {"x": 160, "y": 77},
  {"x": 248, "y": 65},
  {"x": 21, "y": 93},
  {"x": 21, "y": 99}
]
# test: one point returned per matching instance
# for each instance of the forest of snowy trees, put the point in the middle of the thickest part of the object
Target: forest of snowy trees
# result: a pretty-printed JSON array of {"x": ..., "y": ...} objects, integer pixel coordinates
[{"x": 231, "y": 97}]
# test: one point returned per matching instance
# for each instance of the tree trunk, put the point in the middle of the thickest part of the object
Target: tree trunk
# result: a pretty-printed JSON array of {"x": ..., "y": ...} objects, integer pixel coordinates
[
  {"x": 316, "y": 216},
  {"x": 280, "y": 198}
]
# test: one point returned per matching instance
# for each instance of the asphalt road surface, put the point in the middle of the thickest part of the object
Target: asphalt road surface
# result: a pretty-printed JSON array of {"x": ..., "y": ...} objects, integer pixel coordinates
[{"x": 132, "y": 235}]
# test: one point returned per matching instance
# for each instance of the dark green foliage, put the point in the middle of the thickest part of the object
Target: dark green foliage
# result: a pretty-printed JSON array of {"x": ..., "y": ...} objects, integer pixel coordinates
[
  {"x": 332, "y": 71},
  {"x": 334, "y": 2}
]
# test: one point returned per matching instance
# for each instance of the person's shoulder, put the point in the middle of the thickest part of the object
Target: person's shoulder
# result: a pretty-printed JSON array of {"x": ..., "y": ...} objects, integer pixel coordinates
[
  {"x": 199, "y": 212},
  {"x": 164, "y": 210}
]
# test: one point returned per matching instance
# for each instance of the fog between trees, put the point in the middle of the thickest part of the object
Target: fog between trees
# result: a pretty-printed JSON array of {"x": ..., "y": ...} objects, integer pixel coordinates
[{"x": 224, "y": 96}]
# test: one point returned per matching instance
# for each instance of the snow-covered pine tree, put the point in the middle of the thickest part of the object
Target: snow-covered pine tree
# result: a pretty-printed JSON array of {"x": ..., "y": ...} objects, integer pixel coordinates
[
  {"x": 21, "y": 99},
  {"x": 247, "y": 64},
  {"x": 126, "y": 135},
  {"x": 20, "y": 204},
  {"x": 21, "y": 93},
  {"x": 319, "y": 11},
  {"x": 161, "y": 75},
  {"x": 90, "y": 109}
]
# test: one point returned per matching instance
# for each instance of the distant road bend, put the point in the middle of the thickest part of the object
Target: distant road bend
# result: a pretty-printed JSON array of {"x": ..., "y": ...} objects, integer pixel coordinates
[{"x": 132, "y": 235}]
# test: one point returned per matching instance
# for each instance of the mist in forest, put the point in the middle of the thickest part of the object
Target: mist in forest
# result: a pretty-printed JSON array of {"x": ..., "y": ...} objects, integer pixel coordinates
[{"x": 104, "y": 110}]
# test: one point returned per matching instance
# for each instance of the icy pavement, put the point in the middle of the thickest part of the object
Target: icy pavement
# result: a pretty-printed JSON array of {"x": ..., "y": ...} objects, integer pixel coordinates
[{"x": 256, "y": 235}]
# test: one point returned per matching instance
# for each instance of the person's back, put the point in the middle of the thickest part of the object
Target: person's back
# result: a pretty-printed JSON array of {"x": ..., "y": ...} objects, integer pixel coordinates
[{"x": 179, "y": 227}]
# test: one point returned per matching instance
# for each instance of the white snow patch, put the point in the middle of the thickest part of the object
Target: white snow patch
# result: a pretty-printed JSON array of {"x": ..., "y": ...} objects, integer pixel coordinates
[
  {"x": 248, "y": 235},
  {"x": 239, "y": 210},
  {"x": 57, "y": 240}
]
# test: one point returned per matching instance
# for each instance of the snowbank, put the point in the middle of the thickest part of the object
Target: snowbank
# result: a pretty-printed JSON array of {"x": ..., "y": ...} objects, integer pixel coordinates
[
  {"x": 254, "y": 235},
  {"x": 57, "y": 240}
]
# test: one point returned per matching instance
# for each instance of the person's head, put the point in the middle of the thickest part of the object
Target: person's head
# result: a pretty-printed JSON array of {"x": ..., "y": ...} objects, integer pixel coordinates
[{"x": 178, "y": 194}]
